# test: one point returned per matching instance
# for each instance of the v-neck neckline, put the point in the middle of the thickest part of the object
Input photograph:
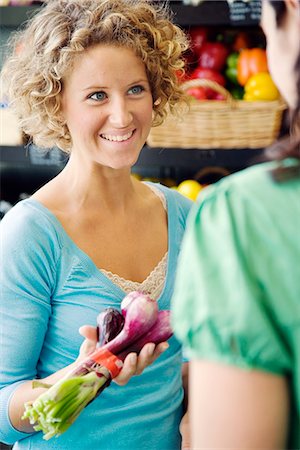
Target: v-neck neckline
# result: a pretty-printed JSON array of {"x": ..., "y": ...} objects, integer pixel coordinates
[{"x": 87, "y": 261}]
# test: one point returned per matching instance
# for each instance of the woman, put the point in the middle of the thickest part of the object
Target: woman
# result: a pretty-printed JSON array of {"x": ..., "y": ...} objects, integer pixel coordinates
[
  {"x": 92, "y": 77},
  {"x": 237, "y": 296}
]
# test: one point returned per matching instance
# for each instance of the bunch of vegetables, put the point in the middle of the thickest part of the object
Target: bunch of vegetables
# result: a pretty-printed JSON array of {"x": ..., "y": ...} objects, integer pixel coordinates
[
  {"x": 235, "y": 64},
  {"x": 119, "y": 333}
]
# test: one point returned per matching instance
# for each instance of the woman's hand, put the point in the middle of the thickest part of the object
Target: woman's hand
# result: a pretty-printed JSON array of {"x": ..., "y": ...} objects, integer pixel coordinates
[{"x": 133, "y": 364}]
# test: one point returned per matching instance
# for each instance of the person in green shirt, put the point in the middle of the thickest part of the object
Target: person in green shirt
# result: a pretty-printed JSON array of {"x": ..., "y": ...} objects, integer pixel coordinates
[{"x": 236, "y": 303}]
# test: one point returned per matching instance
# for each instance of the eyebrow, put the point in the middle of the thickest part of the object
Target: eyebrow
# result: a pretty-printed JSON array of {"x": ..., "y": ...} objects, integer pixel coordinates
[{"x": 97, "y": 88}]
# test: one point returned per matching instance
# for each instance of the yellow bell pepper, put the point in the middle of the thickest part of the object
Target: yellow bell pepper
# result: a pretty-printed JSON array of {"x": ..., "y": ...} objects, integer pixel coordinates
[{"x": 261, "y": 87}]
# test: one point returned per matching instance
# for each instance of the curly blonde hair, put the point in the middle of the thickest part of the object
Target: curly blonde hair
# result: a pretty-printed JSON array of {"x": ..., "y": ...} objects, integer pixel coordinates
[{"x": 62, "y": 29}]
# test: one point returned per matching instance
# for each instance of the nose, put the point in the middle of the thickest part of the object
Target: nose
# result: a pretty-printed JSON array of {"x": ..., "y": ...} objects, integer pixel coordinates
[{"x": 121, "y": 113}]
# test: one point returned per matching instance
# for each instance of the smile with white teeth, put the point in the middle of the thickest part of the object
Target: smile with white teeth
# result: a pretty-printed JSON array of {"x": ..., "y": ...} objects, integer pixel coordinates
[{"x": 115, "y": 138}]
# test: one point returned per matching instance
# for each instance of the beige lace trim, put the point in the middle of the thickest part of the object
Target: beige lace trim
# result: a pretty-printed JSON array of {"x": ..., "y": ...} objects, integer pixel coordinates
[{"x": 153, "y": 285}]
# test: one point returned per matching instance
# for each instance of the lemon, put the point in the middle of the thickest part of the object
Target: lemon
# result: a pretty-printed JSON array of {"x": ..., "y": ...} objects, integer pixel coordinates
[{"x": 190, "y": 189}]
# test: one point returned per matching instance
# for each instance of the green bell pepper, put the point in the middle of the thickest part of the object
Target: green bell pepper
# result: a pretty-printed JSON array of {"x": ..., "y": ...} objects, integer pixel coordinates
[{"x": 231, "y": 67}]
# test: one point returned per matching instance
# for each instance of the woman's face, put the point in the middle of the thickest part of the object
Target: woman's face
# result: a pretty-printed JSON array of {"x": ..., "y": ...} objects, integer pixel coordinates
[
  {"x": 107, "y": 104},
  {"x": 283, "y": 47}
]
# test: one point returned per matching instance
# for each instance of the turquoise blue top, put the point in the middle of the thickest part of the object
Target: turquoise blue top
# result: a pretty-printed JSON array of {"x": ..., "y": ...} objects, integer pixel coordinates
[
  {"x": 49, "y": 288},
  {"x": 237, "y": 296}
]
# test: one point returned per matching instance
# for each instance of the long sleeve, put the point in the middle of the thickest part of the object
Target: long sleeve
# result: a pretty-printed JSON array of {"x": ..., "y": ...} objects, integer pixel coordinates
[{"x": 27, "y": 279}]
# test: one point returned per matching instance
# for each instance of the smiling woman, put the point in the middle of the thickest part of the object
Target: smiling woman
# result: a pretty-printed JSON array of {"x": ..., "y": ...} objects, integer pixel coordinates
[
  {"x": 107, "y": 106},
  {"x": 93, "y": 77},
  {"x": 36, "y": 74}
]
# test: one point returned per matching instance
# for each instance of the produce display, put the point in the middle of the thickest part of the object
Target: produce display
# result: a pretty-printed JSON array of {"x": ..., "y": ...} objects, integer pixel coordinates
[
  {"x": 235, "y": 61},
  {"x": 119, "y": 333}
]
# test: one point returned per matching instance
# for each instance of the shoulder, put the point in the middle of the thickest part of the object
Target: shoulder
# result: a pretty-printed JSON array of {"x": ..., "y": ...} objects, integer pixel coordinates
[
  {"x": 175, "y": 199},
  {"x": 28, "y": 223},
  {"x": 255, "y": 182},
  {"x": 251, "y": 191}
]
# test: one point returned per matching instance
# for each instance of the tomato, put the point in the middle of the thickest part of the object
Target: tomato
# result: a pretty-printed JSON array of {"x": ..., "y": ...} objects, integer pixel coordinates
[
  {"x": 208, "y": 74},
  {"x": 198, "y": 92},
  {"x": 218, "y": 96}
]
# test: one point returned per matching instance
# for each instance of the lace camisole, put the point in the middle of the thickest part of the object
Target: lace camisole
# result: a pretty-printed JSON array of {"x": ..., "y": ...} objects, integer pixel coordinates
[{"x": 154, "y": 283}]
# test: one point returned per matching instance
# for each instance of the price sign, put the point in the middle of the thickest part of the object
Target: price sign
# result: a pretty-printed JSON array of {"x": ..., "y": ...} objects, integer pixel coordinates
[{"x": 244, "y": 11}]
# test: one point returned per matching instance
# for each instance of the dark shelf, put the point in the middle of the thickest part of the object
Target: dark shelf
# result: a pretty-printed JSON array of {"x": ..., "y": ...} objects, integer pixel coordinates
[
  {"x": 213, "y": 12},
  {"x": 31, "y": 157},
  {"x": 218, "y": 12},
  {"x": 34, "y": 158},
  {"x": 14, "y": 16},
  {"x": 25, "y": 169},
  {"x": 30, "y": 167},
  {"x": 180, "y": 164},
  {"x": 186, "y": 158}
]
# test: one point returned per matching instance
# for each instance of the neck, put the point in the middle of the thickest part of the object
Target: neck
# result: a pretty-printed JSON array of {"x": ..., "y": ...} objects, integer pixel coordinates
[{"x": 96, "y": 185}]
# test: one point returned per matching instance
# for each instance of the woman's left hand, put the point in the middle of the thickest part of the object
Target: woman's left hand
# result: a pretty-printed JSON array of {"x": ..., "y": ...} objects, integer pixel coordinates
[{"x": 133, "y": 364}]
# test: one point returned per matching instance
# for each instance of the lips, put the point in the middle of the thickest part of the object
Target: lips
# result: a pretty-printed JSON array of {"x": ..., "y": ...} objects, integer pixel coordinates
[{"x": 116, "y": 137}]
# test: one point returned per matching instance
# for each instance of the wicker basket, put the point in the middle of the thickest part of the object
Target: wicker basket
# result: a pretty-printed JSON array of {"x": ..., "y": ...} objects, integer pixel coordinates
[{"x": 220, "y": 124}]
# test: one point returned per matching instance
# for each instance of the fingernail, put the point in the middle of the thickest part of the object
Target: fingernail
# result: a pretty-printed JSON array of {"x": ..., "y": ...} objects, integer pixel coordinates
[{"x": 164, "y": 347}]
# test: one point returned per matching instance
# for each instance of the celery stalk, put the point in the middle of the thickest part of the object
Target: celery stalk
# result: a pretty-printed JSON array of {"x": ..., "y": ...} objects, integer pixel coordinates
[{"x": 57, "y": 408}]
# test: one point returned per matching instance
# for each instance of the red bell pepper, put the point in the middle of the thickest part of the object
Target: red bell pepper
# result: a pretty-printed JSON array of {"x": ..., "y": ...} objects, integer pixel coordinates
[{"x": 213, "y": 55}]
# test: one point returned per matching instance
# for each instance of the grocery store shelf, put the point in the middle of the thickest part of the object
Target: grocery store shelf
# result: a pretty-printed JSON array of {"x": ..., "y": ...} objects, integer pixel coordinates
[
  {"x": 30, "y": 156},
  {"x": 218, "y": 12},
  {"x": 25, "y": 169},
  {"x": 13, "y": 16},
  {"x": 181, "y": 163},
  {"x": 153, "y": 160},
  {"x": 33, "y": 157},
  {"x": 213, "y": 12},
  {"x": 186, "y": 158}
]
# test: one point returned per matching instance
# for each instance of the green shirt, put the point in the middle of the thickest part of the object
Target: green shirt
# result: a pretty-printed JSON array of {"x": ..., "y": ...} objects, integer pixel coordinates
[{"x": 237, "y": 292}]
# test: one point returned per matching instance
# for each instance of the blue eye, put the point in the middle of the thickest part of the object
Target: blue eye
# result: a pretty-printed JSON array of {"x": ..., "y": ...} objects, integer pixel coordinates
[
  {"x": 136, "y": 90},
  {"x": 98, "y": 96}
]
